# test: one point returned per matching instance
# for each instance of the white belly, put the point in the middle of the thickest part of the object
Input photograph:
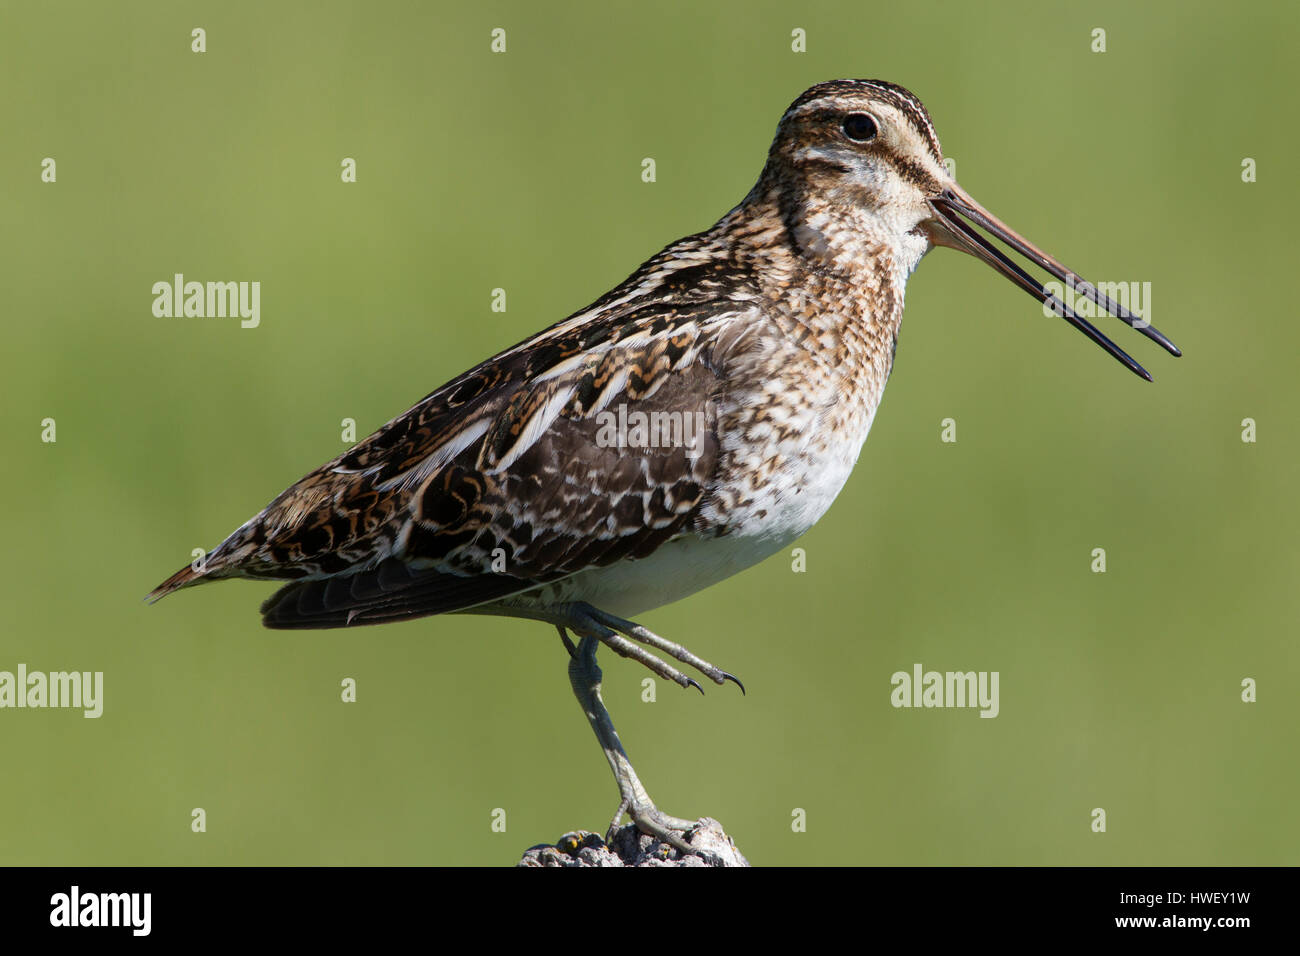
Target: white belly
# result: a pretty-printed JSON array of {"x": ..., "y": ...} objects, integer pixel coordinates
[{"x": 678, "y": 569}]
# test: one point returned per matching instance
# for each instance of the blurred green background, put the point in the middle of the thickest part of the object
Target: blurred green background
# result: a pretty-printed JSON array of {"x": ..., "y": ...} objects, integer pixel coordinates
[{"x": 522, "y": 171}]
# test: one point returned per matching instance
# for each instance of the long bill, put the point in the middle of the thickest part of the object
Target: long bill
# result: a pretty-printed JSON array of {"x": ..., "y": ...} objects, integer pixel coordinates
[{"x": 954, "y": 207}]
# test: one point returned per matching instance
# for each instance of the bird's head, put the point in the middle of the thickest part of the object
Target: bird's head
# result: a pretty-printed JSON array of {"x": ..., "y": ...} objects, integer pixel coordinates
[
  {"x": 860, "y": 178},
  {"x": 858, "y": 157}
]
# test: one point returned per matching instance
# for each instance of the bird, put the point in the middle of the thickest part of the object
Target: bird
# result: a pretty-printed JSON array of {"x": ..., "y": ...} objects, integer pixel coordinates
[{"x": 691, "y": 422}]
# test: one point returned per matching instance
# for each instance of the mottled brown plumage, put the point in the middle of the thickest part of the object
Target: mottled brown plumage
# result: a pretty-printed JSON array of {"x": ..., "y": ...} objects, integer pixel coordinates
[{"x": 775, "y": 330}]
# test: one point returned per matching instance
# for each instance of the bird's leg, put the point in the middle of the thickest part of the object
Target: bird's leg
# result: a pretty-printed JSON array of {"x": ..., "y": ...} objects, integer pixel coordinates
[{"x": 585, "y": 676}]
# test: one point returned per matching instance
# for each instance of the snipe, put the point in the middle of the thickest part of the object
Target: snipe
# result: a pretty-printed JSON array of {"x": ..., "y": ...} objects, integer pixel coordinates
[{"x": 774, "y": 330}]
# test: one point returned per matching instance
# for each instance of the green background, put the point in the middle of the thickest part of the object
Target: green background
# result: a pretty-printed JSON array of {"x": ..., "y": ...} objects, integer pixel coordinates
[{"x": 522, "y": 171}]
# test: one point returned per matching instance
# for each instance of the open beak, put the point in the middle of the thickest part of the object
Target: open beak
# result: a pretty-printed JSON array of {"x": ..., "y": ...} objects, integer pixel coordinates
[{"x": 955, "y": 212}]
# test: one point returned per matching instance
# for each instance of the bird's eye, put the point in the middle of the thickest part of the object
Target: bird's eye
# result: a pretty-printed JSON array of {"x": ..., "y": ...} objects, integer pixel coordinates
[{"x": 859, "y": 127}]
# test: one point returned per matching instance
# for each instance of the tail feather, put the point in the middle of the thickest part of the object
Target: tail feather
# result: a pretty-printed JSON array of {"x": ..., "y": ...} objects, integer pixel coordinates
[
  {"x": 181, "y": 579},
  {"x": 389, "y": 592}
]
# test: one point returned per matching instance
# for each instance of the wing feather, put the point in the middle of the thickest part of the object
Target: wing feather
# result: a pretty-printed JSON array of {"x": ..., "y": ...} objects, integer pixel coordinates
[{"x": 505, "y": 478}]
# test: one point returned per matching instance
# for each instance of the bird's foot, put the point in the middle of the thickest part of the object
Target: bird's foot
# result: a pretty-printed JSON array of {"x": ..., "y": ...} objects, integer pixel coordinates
[
  {"x": 614, "y": 632},
  {"x": 653, "y": 822}
]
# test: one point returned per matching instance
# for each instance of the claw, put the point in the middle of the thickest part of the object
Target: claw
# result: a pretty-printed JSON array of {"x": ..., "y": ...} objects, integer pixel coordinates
[
  {"x": 734, "y": 679},
  {"x": 695, "y": 684}
]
